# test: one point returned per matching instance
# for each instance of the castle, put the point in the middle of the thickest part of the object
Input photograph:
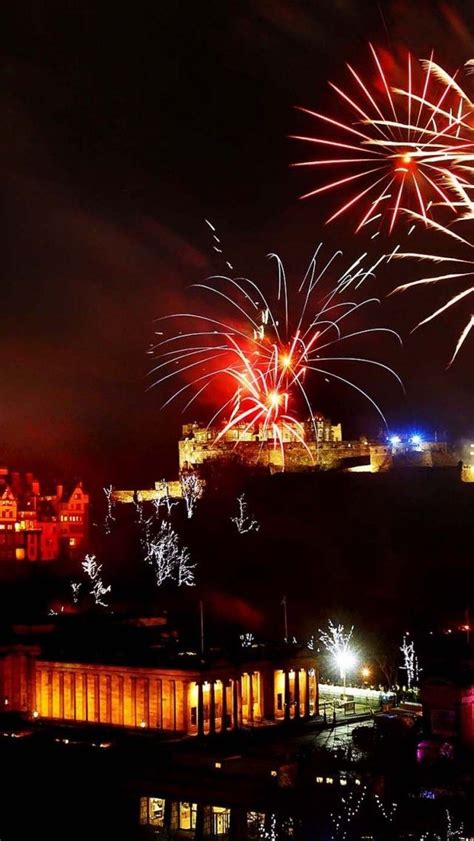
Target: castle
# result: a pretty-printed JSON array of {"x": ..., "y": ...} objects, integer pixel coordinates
[
  {"x": 37, "y": 525},
  {"x": 303, "y": 446}
]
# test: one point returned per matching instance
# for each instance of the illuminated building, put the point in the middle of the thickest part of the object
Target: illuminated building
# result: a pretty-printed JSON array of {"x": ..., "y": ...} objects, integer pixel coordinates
[
  {"x": 37, "y": 526},
  {"x": 322, "y": 446},
  {"x": 410, "y": 451},
  {"x": 153, "y": 687}
]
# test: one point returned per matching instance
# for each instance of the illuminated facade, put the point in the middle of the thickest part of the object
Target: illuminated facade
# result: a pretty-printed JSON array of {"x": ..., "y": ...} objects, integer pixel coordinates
[
  {"x": 400, "y": 453},
  {"x": 322, "y": 446},
  {"x": 184, "y": 695},
  {"x": 35, "y": 526}
]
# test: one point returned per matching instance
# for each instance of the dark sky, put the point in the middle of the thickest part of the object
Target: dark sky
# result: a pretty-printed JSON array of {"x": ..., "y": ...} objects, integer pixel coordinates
[{"x": 123, "y": 127}]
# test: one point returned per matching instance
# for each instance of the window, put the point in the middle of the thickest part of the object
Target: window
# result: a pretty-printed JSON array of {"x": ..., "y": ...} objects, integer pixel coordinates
[
  {"x": 280, "y": 701},
  {"x": 187, "y": 815},
  {"x": 152, "y": 811},
  {"x": 220, "y": 820}
]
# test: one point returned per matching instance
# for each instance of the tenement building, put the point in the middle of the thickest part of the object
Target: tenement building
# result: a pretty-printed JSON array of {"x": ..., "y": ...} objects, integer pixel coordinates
[
  {"x": 125, "y": 675},
  {"x": 40, "y": 524}
]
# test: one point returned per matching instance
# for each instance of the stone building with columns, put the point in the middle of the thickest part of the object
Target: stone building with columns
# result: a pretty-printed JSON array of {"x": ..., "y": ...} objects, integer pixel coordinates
[{"x": 158, "y": 687}]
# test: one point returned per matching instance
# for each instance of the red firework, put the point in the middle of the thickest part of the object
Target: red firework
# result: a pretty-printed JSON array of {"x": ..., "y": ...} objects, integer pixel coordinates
[{"x": 402, "y": 145}]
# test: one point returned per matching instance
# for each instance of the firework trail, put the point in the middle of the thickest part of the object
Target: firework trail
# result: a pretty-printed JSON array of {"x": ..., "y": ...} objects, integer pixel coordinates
[
  {"x": 261, "y": 352},
  {"x": 456, "y": 270},
  {"x": 217, "y": 246},
  {"x": 401, "y": 147}
]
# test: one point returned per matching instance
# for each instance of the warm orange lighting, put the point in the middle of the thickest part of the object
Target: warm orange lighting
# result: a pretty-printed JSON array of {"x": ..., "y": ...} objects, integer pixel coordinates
[
  {"x": 407, "y": 158},
  {"x": 365, "y": 672},
  {"x": 285, "y": 361},
  {"x": 20, "y": 553}
]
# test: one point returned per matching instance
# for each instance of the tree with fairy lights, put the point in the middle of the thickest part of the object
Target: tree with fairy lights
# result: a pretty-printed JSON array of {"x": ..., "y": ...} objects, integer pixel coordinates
[
  {"x": 243, "y": 522},
  {"x": 192, "y": 488},
  {"x": 410, "y": 662},
  {"x": 337, "y": 640}
]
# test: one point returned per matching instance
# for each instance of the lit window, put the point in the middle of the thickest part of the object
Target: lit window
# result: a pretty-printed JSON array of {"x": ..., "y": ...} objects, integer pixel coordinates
[
  {"x": 329, "y": 781},
  {"x": 187, "y": 815},
  {"x": 320, "y": 780},
  {"x": 72, "y": 541},
  {"x": 152, "y": 811},
  {"x": 220, "y": 820},
  {"x": 342, "y": 782}
]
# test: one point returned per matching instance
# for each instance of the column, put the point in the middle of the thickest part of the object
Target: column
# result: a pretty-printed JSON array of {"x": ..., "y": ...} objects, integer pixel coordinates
[
  {"x": 306, "y": 695},
  {"x": 200, "y": 709},
  {"x": 297, "y": 693},
  {"x": 212, "y": 708},
  {"x": 224, "y": 706},
  {"x": 250, "y": 697},
  {"x": 235, "y": 704},
  {"x": 286, "y": 701}
]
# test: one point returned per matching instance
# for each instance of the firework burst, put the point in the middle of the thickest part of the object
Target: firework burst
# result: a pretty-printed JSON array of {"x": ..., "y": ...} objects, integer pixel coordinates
[
  {"x": 401, "y": 147},
  {"x": 261, "y": 353}
]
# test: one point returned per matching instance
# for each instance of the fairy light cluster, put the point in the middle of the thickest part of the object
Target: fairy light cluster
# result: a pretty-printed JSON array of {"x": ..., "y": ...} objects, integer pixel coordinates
[
  {"x": 161, "y": 546},
  {"x": 109, "y": 515},
  {"x": 97, "y": 587},
  {"x": 242, "y": 521},
  {"x": 192, "y": 489},
  {"x": 168, "y": 559},
  {"x": 247, "y": 640},
  {"x": 410, "y": 662},
  {"x": 337, "y": 640},
  {"x": 350, "y": 808}
]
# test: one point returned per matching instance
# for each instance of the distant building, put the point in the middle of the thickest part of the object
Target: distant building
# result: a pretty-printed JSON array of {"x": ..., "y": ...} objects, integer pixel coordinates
[
  {"x": 38, "y": 526},
  {"x": 410, "y": 452},
  {"x": 159, "y": 491},
  {"x": 303, "y": 446},
  {"x": 124, "y": 678},
  {"x": 447, "y": 697}
]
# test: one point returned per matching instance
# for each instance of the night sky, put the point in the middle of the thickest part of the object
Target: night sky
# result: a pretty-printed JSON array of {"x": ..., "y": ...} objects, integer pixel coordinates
[{"x": 124, "y": 127}]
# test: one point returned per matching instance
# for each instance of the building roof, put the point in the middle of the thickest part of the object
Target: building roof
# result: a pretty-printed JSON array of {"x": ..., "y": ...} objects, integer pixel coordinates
[{"x": 114, "y": 641}]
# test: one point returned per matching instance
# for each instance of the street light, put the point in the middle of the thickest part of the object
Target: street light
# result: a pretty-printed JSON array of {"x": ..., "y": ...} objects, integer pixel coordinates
[
  {"x": 365, "y": 672},
  {"x": 346, "y": 661}
]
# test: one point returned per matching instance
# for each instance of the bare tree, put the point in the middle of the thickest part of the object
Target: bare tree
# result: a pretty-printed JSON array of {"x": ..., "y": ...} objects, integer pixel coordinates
[
  {"x": 243, "y": 522},
  {"x": 109, "y": 516},
  {"x": 192, "y": 489},
  {"x": 93, "y": 570},
  {"x": 168, "y": 559}
]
